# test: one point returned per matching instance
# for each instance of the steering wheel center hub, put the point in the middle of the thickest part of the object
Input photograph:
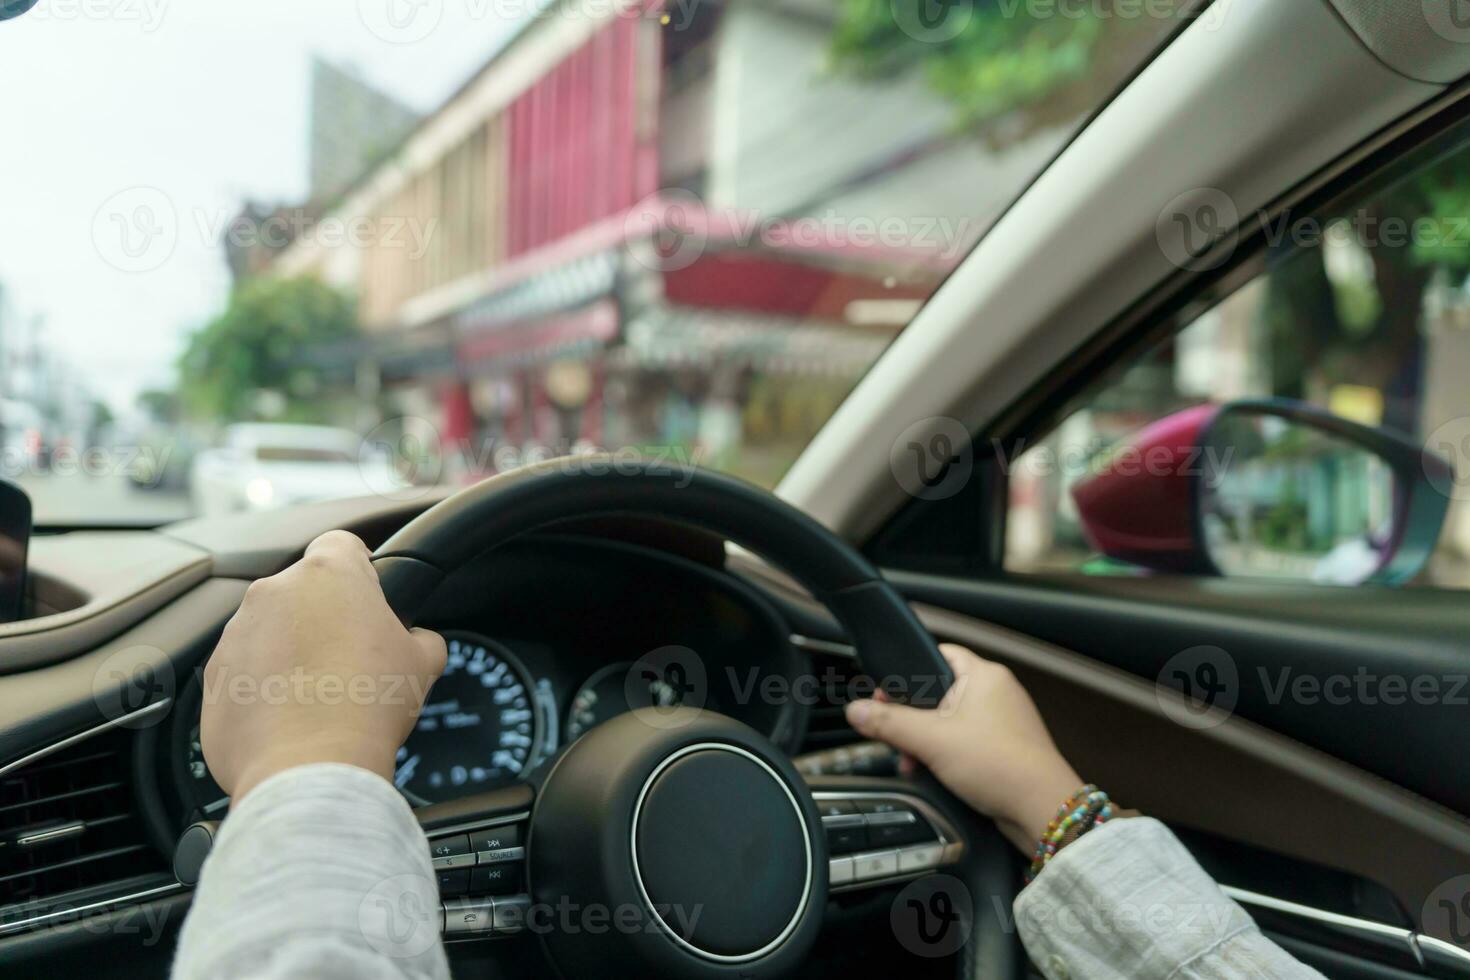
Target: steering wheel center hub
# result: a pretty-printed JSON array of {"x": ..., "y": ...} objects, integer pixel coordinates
[
  {"x": 697, "y": 847},
  {"x": 722, "y": 852}
]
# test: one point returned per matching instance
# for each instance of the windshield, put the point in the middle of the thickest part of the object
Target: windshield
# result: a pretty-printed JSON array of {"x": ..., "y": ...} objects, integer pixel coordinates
[{"x": 464, "y": 234}]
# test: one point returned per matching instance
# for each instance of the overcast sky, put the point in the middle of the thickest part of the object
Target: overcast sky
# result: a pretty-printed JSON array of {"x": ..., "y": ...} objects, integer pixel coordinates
[{"x": 192, "y": 105}]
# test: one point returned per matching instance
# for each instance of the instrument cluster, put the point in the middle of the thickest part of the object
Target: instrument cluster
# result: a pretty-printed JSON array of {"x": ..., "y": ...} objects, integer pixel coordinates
[{"x": 621, "y": 631}]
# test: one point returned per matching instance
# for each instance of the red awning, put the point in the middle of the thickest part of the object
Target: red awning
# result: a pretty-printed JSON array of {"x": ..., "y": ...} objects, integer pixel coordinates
[
  {"x": 515, "y": 344},
  {"x": 779, "y": 283}
]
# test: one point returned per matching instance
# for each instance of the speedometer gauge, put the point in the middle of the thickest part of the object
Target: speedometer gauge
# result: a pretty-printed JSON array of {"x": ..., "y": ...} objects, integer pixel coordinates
[
  {"x": 601, "y": 697},
  {"x": 480, "y": 728},
  {"x": 615, "y": 690}
]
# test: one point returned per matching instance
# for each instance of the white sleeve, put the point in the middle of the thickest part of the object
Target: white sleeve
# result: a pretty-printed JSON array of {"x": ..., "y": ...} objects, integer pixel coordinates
[
  {"x": 1128, "y": 902},
  {"x": 320, "y": 872}
]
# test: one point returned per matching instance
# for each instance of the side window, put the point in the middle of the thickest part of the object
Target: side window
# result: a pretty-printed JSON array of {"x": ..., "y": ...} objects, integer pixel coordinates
[{"x": 1310, "y": 426}]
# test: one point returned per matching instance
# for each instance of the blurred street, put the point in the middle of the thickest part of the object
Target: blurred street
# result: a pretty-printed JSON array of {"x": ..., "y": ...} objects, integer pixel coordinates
[{"x": 108, "y": 500}]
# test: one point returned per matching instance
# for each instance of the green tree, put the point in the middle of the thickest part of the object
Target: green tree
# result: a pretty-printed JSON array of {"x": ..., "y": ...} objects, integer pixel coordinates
[
  {"x": 993, "y": 60},
  {"x": 1410, "y": 229},
  {"x": 260, "y": 347}
]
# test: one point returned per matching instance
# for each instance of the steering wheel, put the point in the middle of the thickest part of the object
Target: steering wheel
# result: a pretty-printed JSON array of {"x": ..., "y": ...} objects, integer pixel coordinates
[{"x": 695, "y": 822}]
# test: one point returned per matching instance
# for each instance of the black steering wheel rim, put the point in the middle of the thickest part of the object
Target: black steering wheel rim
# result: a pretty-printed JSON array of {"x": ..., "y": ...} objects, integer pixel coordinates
[{"x": 892, "y": 646}]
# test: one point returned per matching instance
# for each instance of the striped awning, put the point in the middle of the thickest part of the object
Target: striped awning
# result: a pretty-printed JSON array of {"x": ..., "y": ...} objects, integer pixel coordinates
[
  {"x": 674, "y": 337},
  {"x": 581, "y": 333},
  {"x": 569, "y": 286}
]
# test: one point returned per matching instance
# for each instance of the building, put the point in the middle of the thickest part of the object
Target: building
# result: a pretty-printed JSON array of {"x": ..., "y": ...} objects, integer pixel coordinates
[
  {"x": 603, "y": 237},
  {"x": 352, "y": 126}
]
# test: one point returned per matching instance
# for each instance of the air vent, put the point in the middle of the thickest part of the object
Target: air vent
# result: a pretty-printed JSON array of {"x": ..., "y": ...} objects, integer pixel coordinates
[
  {"x": 839, "y": 680},
  {"x": 70, "y": 830}
]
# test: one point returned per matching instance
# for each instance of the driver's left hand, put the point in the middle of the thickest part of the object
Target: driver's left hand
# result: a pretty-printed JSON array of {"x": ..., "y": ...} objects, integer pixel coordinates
[{"x": 314, "y": 667}]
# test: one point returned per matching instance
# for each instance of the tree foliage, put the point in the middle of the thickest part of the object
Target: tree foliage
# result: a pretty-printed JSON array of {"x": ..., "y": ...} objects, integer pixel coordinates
[
  {"x": 1367, "y": 330},
  {"x": 260, "y": 349},
  {"x": 992, "y": 59}
]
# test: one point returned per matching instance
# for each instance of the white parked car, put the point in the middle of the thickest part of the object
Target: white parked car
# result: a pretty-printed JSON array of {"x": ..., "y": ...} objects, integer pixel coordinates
[{"x": 262, "y": 466}]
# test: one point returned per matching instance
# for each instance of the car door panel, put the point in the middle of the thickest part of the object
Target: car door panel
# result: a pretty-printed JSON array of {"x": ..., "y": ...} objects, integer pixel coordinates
[
  {"x": 1341, "y": 641},
  {"x": 1237, "y": 779},
  {"x": 1337, "y": 834}
]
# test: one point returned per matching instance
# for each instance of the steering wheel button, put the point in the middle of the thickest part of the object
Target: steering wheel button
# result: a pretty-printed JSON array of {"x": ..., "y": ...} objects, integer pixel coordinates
[
  {"x": 845, "y": 834},
  {"x": 839, "y": 870},
  {"x": 496, "y": 838},
  {"x": 496, "y": 879},
  {"x": 880, "y": 806},
  {"x": 835, "y": 808},
  {"x": 844, "y": 820},
  {"x": 453, "y": 882},
  {"x": 466, "y": 916},
  {"x": 444, "y": 847},
  {"x": 891, "y": 818},
  {"x": 502, "y": 856},
  {"x": 874, "y": 864},
  {"x": 510, "y": 913},
  {"x": 845, "y": 840},
  {"x": 922, "y": 858},
  {"x": 897, "y": 835},
  {"x": 449, "y": 862}
]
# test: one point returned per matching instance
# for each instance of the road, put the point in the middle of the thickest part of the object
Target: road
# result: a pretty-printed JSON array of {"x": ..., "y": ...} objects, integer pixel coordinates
[{"x": 112, "y": 500}]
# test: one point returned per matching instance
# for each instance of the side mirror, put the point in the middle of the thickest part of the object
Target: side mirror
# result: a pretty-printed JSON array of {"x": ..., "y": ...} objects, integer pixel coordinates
[
  {"x": 14, "y": 8},
  {"x": 1267, "y": 489}
]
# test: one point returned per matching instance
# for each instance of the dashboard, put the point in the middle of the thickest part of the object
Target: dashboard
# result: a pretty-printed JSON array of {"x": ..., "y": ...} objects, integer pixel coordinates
[
  {"x": 550, "y": 635},
  {"x": 546, "y": 639}
]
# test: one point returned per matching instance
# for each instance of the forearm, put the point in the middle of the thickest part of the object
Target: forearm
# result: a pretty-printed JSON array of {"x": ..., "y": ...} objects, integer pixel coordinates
[
  {"x": 1128, "y": 902},
  {"x": 322, "y": 872}
]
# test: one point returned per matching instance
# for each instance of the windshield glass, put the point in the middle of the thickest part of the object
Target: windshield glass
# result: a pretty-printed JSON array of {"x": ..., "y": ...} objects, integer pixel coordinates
[
  {"x": 297, "y": 454},
  {"x": 463, "y": 234}
]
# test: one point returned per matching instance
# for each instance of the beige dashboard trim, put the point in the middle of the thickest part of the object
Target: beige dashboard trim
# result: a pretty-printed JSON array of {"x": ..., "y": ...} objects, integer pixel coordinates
[{"x": 121, "y": 578}]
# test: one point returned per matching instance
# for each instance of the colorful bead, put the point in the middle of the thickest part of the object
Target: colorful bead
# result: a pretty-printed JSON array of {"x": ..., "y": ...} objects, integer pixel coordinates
[{"x": 1089, "y": 807}]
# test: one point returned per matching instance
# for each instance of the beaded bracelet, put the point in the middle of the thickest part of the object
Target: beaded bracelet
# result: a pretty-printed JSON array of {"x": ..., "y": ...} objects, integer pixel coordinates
[
  {"x": 1085, "y": 809},
  {"x": 1067, "y": 807}
]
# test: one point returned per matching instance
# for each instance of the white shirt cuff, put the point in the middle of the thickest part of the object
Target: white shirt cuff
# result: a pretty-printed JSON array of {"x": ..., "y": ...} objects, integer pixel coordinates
[
  {"x": 320, "y": 871},
  {"x": 1127, "y": 900}
]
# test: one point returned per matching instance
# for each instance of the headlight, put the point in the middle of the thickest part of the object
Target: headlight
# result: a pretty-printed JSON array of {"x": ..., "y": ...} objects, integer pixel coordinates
[{"x": 260, "y": 492}]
